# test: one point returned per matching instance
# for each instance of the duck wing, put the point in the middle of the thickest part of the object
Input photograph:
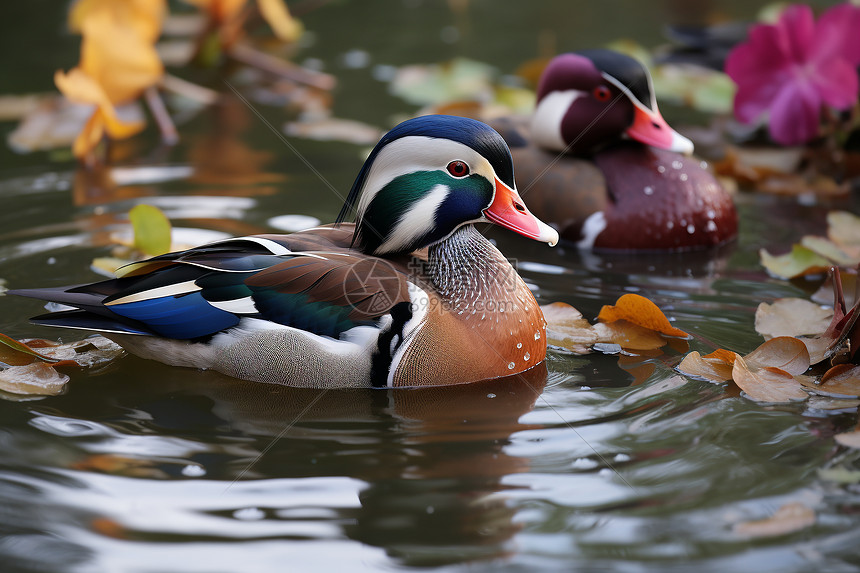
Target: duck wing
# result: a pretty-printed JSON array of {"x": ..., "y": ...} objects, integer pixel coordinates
[{"x": 199, "y": 292}]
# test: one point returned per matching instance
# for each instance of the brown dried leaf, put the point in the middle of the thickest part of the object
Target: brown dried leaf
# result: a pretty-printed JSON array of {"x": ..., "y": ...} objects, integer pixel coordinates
[
  {"x": 641, "y": 311},
  {"x": 842, "y": 379},
  {"x": 566, "y": 328},
  {"x": 711, "y": 368},
  {"x": 788, "y": 518},
  {"x": 784, "y": 352},
  {"x": 791, "y": 317},
  {"x": 766, "y": 384},
  {"x": 831, "y": 403}
]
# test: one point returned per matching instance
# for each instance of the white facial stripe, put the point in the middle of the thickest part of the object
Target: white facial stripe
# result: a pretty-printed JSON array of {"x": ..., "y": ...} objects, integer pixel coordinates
[
  {"x": 416, "y": 221},
  {"x": 418, "y": 153},
  {"x": 546, "y": 121},
  {"x": 641, "y": 105}
]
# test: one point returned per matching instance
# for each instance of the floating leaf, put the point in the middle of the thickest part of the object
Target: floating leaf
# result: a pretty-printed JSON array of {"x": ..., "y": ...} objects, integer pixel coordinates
[
  {"x": 715, "y": 367},
  {"x": 841, "y": 255},
  {"x": 800, "y": 261},
  {"x": 37, "y": 378},
  {"x": 566, "y": 328},
  {"x": 849, "y": 439},
  {"x": 788, "y": 519},
  {"x": 784, "y": 352},
  {"x": 791, "y": 317},
  {"x": 830, "y": 403},
  {"x": 17, "y": 353},
  {"x": 333, "y": 129},
  {"x": 639, "y": 310},
  {"x": 629, "y": 336},
  {"x": 842, "y": 379},
  {"x": 151, "y": 229},
  {"x": 459, "y": 79},
  {"x": 843, "y": 228},
  {"x": 766, "y": 384}
]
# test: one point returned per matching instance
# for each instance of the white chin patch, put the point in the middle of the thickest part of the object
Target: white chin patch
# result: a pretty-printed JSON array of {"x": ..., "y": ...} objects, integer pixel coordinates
[
  {"x": 592, "y": 227},
  {"x": 546, "y": 121}
]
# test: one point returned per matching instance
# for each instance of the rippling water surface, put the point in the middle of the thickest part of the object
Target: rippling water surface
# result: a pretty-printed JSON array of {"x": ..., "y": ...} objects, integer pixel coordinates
[{"x": 595, "y": 463}]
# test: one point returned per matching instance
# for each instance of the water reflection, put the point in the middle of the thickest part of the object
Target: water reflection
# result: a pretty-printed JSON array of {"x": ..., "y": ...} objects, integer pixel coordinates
[{"x": 186, "y": 455}]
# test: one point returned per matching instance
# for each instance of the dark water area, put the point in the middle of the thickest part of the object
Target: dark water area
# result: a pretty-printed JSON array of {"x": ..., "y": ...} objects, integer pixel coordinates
[{"x": 591, "y": 463}]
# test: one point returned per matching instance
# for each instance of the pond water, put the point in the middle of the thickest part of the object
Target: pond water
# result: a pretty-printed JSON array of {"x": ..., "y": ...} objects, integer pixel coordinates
[{"x": 594, "y": 463}]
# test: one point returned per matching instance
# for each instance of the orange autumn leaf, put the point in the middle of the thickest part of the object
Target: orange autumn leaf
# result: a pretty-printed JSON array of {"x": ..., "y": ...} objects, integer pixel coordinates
[
  {"x": 766, "y": 384},
  {"x": 842, "y": 379},
  {"x": 713, "y": 367},
  {"x": 641, "y": 311},
  {"x": 783, "y": 352}
]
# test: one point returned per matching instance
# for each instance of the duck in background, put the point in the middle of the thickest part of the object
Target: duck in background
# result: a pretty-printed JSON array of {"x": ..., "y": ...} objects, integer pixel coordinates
[
  {"x": 599, "y": 162},
  {"x": 410, "y": 295}
]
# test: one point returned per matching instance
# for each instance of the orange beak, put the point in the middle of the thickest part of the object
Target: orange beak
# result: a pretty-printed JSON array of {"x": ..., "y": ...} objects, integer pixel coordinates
[
  {"x": 508, "y": 210},
  {"x": 650, "y": 128}
]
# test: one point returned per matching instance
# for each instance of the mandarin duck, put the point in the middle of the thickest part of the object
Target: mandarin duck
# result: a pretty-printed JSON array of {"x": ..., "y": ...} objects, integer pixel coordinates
[
  {"x": 410, "y": 294},
  {"x": 598, "y": 161}
]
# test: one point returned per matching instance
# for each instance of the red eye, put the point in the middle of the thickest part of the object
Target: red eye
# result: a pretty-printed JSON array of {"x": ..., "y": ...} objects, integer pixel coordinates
[
  {"x": 458, "y": 168},
  {"x": 602, "y": 93}
]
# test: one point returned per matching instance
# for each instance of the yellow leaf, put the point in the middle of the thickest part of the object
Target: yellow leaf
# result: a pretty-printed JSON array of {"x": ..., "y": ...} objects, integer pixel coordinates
[
  {"x": 144, "y": 16},
  {"x": 151, "y": 229},
  {"x": 639, "y": 310},
  {"x": 800, "y": 261},
  {"x": 121, "y": 61},
  {"x": 278, "y": 16}
]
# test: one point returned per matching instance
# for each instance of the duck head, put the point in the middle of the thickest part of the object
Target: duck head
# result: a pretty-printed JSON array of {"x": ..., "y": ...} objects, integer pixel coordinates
[
  {"x": 431, "y": 175},
  {"x": 587, "y": 99}
]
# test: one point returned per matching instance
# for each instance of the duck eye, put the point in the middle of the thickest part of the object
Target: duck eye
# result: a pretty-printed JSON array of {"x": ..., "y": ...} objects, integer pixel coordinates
[
  {"x": 602, "y": 93},
  {"x": 458, "y": 168}
]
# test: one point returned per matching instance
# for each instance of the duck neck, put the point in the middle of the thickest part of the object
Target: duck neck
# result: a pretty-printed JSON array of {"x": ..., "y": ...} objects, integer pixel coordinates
[{"x": 466, "y": 269}]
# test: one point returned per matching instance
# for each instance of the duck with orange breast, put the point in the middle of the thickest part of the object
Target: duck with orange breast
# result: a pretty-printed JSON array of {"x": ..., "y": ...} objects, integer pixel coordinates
[
  {"x": 411, "y": 294},
  {"x": 600, "y": 163}
]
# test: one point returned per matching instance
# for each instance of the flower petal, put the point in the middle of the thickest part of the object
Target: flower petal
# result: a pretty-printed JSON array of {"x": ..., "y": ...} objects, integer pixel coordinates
[
  {"x": 836, "y": 34},
  {"x": 763, "y": 55},
  {"x": 751, "y": 101},
  {"x": 794, "y": 114},
  {"x": 836, "y": 82},
  {"x": 797, "y": 25}
]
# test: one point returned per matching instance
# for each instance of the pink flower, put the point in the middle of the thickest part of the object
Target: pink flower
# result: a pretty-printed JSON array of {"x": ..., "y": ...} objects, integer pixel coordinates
[{"x": 791, "y": 69}]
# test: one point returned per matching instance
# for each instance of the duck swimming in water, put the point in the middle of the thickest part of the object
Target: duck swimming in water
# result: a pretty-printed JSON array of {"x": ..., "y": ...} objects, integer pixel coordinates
[
  {"x": 598, "y": 161},
  {"x": 411, "y": 294}
]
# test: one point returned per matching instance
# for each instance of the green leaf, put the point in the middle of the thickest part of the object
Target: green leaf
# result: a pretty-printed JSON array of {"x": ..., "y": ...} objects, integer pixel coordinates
[
  {"x": 800, "y": 261},
  {"x": 17, "y": 353},
  {"x": 151, "y": 230}
]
